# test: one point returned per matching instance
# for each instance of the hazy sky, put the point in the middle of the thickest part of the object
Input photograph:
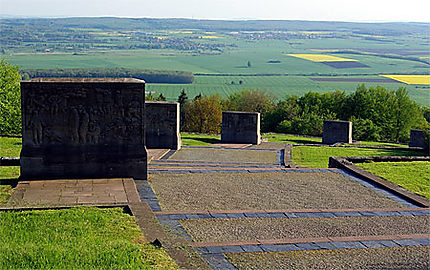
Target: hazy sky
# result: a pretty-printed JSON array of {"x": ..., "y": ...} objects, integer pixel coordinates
[{"x": 336, "y": 10}]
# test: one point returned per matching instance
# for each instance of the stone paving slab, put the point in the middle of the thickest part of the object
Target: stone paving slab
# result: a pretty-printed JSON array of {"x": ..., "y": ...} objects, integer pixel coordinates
[
  {"x": 254, "y": 229},
  {"x": 225, "y": 155},
  {"x": 416, "y": 257},
  {"x": 294, "y": 213},
  {"x": 232, "y": 145},
  {"x": 70, "y": 192},
  {"x": 293, "y": 190},
  {"x": 157, "y": 154}
]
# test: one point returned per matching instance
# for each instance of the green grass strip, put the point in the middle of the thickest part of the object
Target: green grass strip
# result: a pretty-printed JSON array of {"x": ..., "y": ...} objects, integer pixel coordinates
[
  {"x": 77, "y": 238},
  {"x": 10, "y": 147},
  {"x": 5, "y": 192},
  {"x": 318, "y": 156},
  {"x": 413, "y": 176}
]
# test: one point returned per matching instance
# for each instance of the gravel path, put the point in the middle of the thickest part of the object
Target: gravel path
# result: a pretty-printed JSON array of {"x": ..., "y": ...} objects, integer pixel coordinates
[
  {"x": 225, "y": 155},
  {"x": 268, "y": 145},
  {"x": 375, "y": 258},
  {"x": 251, "y": 229},
  {"x": 262, "y": 191}
]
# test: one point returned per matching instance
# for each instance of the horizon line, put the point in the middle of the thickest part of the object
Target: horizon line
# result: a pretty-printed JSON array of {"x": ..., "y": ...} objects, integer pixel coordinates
[{"x": 7, "y": 16}]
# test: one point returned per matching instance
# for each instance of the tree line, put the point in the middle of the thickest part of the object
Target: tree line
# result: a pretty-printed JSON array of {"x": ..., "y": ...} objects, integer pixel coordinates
[
  {"x": 149, "y": 76},
  {"x": 376, "y": 113}
]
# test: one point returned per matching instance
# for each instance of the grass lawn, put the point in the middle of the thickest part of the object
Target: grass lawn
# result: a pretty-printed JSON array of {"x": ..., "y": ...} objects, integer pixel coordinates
[
  {"x": 287, "y": 138},
  {"x": 9, "y": 172},
  {"x": 413, "y": 176},
  {"x": 317, "y": 156},
  {"x": 10, "y": 147},
  {"x": 77, "y": 238},
  {"x": 194, "y": 139},
  {"x": 5, "y": 192}
]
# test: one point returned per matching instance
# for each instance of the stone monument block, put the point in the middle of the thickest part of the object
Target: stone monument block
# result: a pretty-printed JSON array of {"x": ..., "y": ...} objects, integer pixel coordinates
[
  {"x": 335, "y": 131},
  {"x": 162, "y": 125},
  {"x": 83, "y": 128},
  {"x": 240, "y": 127},
  {"x": 417, "y": 138}
]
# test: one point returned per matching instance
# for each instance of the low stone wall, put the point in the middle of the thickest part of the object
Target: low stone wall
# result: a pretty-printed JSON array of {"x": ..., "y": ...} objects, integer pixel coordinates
[
  {"x": 347, "y": 164},
  {"x": 9, "y": 161},
  {"x": 417, "y": 138},
  {"x": 337, "y": 132},
  {"x": 162, "y": 125},
  {"x": 240, "y": 127}
]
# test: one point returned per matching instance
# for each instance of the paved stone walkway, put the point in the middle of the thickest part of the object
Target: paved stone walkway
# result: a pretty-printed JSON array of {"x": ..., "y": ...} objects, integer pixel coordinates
[
  {"x": 217, "y": 176},
  {"x": 70, "y": 192}
]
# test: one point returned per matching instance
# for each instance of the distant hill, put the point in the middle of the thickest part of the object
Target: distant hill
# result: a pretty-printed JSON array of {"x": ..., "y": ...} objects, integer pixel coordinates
[{"x": 113, "y": 23}]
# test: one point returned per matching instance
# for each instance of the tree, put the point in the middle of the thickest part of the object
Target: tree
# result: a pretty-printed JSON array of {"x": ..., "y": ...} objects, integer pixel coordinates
[
  {"x": 204, "y": 115},
  {"x": 10, "y": 98},
  {"x": 161, "y": 97},
  {"x": 183, "y": 102},
  {"x": 250, "y": 101}
]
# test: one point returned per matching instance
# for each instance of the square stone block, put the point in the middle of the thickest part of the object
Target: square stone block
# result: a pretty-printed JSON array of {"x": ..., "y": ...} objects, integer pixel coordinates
[
  {"x": 417, "y": 138},
  {"x": 335, "y": 131},
  {"x": 83, "y": 128},
  {"x": 162, "y": 125},
  {"x": 240, "y": 127}
]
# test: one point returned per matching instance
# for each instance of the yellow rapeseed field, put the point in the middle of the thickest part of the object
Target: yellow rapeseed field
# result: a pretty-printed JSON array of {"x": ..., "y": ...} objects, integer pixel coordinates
[
  {"x": 321, "y": 57},
  {"x": 209, "y": 37},
  {"x": 410, "y": 79}
]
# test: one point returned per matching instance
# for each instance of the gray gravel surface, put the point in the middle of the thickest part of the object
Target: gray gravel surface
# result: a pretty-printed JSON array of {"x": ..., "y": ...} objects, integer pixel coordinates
[
  {"x": 225, "y": 155},
  {"x": 260, "y": 191},
  {"x": 251, "y": 229},
  {"x": 401, "y": 258},
  {"x": 268, "y": 145}
]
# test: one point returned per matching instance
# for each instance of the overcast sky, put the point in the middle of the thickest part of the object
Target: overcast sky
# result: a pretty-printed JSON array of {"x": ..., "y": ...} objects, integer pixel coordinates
[{"x": 327, "y": 10}]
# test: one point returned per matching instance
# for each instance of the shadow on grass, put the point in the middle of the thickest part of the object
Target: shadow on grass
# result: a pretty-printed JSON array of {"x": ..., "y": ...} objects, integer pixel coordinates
[
  {"x": 207, "y": 140},
  {"x": 300, "y": 141},
  {"x": 9, "y": 181}
]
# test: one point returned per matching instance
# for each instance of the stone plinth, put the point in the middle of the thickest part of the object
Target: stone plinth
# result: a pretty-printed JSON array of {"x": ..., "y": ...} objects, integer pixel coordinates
[
  {"x": 240, "y": 127},
  {"x": 335, "y": 131},
  {"x": 417, "y": 138},
  {"x": 162, "y": 125},
  {"x": 83, "y": 128}
]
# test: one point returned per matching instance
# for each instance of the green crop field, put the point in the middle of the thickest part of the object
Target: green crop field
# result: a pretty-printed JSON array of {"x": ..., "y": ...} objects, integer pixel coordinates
[{"x": 226, "y": 48}]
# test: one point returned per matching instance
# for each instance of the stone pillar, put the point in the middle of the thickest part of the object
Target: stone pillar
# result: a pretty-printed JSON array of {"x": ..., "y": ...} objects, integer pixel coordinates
[
  {"x": 240, "y": 127},
  {"x": 83, "y": 128},
  {"x": 162, "y": 125},
  {"x": 335, "y": 131},
  {"x": 417, "y": 138}
]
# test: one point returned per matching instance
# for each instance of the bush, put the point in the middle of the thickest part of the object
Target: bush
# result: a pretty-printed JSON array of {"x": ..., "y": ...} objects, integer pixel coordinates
[{"x": 10, "y": 98}]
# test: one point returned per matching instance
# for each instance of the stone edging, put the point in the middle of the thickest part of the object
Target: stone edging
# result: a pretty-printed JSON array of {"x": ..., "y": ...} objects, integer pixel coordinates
[
  {"x": 9, "y": 161},
  {"x": 347, "y": 163}
]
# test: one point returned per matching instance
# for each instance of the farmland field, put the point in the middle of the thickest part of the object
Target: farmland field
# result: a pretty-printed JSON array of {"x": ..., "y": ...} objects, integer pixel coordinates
[
  {"x": 410, "y": 79},
  {"x": 362, "y": 52},
  {"x": 320, "y": 57},
  {"x": 281, "y": 86}
]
